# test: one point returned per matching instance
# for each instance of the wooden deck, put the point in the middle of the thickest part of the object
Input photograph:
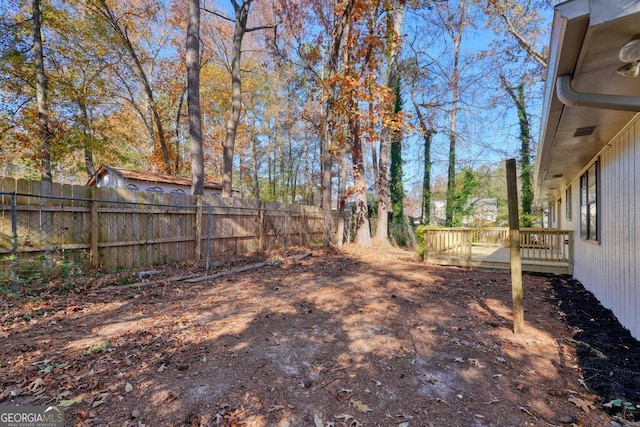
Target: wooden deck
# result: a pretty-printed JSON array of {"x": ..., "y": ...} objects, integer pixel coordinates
[{"x": 464, "y": 248}]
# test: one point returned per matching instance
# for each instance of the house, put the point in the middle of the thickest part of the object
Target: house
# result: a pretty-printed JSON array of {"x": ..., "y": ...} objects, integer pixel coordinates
[
  {"x": 483, "y": 212},
  {"x": 110, "y": 176},
  {"x": 438, "y": 212},
  {"x": 588, "y": 162}
]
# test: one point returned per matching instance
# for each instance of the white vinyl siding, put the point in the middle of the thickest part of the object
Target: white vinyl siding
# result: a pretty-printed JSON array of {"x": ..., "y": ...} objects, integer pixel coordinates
[{"x": 609, "y": 267}]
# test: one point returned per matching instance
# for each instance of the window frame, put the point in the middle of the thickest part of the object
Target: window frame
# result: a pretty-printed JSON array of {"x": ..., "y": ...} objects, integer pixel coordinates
[
  {"x": 589, "y": 189},
  {"x": 567, "y": 203}
]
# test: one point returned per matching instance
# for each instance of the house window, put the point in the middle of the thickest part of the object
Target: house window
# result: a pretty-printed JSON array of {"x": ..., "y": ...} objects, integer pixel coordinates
[
  {"x": 178, "y": 191},
  {"x": 132, "y": 187},
  {"x": 588, "y": 203},
  {"x": 155, "y": 190},
  {"x": 567, "y": 205}
]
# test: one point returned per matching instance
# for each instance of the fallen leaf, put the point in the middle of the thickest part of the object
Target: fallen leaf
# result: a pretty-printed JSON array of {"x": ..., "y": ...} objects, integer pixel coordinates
[
  {"x": 161, "y": 368},
  {"x": 103, "y": 400},
  {"x": 128, "y": 388},
  {"x": 360, "y": 406},
  {"x": 69, "y": 402},
  {"x": 585, "y": 405},
  {"x": 348, "y": 420},
  {"x": 318, "y": 421},
  {"x": 276, "y": 408},
  {"x": 459, "y": 359},
  {"x": 344, "y": 394}
]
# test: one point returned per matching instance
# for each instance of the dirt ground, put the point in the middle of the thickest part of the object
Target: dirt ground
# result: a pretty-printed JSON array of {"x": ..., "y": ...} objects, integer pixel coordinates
[{"x": 358, "y": 337}]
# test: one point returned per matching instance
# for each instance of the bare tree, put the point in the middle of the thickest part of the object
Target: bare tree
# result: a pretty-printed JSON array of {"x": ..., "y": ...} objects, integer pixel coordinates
[
  {"x": 193, "y": 98},
  {"x": 102, "y": 9},
  {"x": 241, "y": 15},
  {"x": 41, "y": 95}
]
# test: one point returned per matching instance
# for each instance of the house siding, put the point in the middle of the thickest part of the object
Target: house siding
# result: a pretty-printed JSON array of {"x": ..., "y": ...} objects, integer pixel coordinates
[{"x": 608, "y": 268}]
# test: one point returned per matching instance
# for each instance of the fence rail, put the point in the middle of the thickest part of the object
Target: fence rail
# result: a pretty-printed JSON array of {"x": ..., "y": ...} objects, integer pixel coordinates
[{"x": 118, "y": 228}]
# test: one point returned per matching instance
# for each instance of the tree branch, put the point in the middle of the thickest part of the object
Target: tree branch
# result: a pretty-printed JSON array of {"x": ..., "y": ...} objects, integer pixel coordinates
[
  {"x": 217, "y": 14},
  {"x": 540, "y": 59},
  {"x": 262, "y": 27}
]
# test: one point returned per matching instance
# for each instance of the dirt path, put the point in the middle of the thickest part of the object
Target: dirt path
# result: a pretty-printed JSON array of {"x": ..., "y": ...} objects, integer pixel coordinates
[{"x": 354, "y": 338}]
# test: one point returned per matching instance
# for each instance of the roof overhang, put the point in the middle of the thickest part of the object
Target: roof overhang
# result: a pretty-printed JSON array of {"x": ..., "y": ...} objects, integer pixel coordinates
[{"x": 586, "y": 37}]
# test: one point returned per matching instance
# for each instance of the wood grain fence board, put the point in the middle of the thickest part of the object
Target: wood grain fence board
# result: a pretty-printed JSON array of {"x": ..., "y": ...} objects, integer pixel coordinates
[
  {"x": 135, "y": 232},
  {"x": 6, "y": 185},
  {"x": 125, "y": 254},
  {"x": 142, "y": 229}
]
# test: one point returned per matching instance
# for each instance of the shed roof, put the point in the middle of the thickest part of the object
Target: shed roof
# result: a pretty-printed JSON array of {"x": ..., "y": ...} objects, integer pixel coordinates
[{"x": 151, "y": 177}]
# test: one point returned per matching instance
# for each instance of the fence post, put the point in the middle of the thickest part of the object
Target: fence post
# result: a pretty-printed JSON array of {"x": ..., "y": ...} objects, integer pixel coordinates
[
  {"x": 94, "y": 235},
  {"x": 261, "y": 227},
  {"x": 14, "y": 243},
  {"x": 198, "y": 237},
  {"x": 14, "y": 224},
  {"x": 286, "y": 230},
  {"x": 207, "y": 250},
  {"x": 514, "y": 234},
  {"x": 301, "y": 225}
]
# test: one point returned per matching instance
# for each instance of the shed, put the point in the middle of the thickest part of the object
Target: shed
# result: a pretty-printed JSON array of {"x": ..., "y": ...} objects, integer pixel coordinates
[{"x": 114, "y": 177}]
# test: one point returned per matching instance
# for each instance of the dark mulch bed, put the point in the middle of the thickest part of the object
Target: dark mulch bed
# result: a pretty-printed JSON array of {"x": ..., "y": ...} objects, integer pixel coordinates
[{"x": 608, "y": 355}]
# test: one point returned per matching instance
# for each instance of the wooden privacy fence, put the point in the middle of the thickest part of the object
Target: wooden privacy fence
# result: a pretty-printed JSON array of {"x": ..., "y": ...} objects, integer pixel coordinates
[{"x": 118, "y": 228}]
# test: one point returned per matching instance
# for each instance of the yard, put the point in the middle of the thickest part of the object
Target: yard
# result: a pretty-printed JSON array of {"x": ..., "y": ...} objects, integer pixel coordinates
[{"x": 355, "y": 338}]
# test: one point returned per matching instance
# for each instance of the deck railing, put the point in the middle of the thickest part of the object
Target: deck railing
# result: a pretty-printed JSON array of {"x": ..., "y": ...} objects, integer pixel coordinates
[
  {"x": 543, "y": 244},
  {"x": 536, "y": 244}
]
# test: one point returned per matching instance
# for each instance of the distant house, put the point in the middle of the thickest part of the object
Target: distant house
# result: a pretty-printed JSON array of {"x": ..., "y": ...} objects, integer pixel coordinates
[
  {"x": 483, "y": 212},
  {"x": 110, "y": 176},
  {"x": 438, "y": 212},
  {"x": 588, "y": 162}
]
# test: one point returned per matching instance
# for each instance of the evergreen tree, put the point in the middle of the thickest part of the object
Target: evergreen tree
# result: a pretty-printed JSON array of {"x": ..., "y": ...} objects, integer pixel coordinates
[{"x": 397, "y": 191}]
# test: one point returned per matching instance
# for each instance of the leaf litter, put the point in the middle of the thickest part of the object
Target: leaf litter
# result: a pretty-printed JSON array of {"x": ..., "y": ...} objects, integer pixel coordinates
[{"x": 373, "y": 331}]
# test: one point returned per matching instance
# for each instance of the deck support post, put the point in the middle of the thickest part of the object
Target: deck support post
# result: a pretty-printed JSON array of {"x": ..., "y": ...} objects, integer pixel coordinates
[{"x": 514, "y": 237}]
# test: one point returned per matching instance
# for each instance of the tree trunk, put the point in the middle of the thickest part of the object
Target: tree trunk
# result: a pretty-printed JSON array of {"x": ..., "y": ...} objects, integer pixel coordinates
[
  {"x": 363, "y": 230},
  {"x": 329, "y": 119},
  {"x": 87, "y": 137},
  {"x": 254, "y": 163},
  {"x": 176, "y": 164},
  {"x": 384, "y": 195},
  {"x": 342, "y": 195},
  {"x": 426, "y": 181},
  {"x": 233, "y": 119},
  {"x": 518, "y": 97},
  {"x": 193, "y": 98},
  {"x": 41, "y": 95},
  {"x": 397, "y": 190},
  {"x": 455, "y": 88}
]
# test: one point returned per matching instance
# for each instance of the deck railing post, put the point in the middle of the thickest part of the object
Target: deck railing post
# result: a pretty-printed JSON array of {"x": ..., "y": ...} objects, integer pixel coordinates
[
  {"x": 571, "y": 248},
  {"x": 469, "y": 234},
  {"x": 516, "y": 262}
]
